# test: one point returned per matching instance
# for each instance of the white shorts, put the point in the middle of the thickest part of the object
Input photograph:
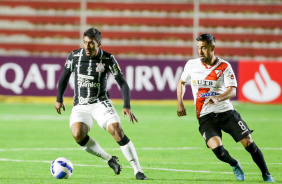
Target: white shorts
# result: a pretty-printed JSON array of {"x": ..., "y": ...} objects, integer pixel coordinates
[{"x": 103, "y": 113}]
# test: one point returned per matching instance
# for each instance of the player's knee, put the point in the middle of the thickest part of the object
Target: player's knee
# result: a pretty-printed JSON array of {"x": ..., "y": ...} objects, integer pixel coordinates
[
  {"x": 78, "y": 134},
  {"x": 214, "y": 142},
  {"x": 247, "y": 141},
  {"x": 79, "y": 131},
  {"x": 114, "y": 126}
]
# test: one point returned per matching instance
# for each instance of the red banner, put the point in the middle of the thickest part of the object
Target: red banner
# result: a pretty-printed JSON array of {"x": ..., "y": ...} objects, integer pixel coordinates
[{"x": 260, "y": 82}]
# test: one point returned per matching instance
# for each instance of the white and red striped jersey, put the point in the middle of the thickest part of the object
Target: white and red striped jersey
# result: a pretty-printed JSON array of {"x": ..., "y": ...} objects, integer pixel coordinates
[{"x": 209, "y": 81}]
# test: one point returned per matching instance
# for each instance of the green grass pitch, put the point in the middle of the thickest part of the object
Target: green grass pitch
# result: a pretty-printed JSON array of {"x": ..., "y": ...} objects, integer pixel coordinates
[{"x": 170, "y": 149}]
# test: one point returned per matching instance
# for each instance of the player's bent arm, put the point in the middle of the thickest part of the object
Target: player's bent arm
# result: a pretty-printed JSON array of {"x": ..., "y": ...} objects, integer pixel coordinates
[
  {"x": 181, "y": 88},
  {"x": 228, "y": 94}
]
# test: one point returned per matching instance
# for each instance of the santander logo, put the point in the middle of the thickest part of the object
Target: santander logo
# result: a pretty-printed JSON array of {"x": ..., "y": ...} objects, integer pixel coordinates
[{"x": 261, "y": 88}]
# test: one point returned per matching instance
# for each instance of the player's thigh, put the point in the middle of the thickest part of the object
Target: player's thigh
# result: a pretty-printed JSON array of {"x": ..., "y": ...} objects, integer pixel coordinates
[
  {"x": 80, "y": 113},
  {"x": 105, "y": 114},
  {"x": 236, "y": 127},
  {"x": 209, "y": 129}
]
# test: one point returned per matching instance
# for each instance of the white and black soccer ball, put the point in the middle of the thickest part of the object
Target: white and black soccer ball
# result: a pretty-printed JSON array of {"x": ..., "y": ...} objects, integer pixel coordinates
[{"x": 61, "y": 168}]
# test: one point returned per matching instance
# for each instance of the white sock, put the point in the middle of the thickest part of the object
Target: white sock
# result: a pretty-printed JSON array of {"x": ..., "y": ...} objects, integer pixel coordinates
[
  {"x": 130, "y": 154},
  {"x": 93, "y": 147}
]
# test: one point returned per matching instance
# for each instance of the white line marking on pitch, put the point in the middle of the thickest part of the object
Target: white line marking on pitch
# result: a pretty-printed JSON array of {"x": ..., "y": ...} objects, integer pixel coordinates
[
  {"x": 33, "y": 117},
  {"x": 39, "y": 149},
  {"x": 12, "y": 117},
  {"x": 152, "y": 148},
  {"x": 212, "y": 163},
  {"x": 148, "y": 168}
]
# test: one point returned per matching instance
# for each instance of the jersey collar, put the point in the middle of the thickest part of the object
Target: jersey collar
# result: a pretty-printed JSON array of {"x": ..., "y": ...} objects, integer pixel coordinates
[
  {"x": 216, "y": 64},
  {"x": 85, "y": 57}
]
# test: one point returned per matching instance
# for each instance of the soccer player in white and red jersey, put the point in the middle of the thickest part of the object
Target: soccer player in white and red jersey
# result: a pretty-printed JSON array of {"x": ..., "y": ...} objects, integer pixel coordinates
[{"x": 213, "y": 83}]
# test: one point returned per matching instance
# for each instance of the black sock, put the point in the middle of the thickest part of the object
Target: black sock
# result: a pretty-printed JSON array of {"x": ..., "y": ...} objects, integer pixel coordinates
[
  {"x": 84, "y": 141},
  {"x": 257, "y": 157},
  {"x": 223, "y": 155},
  {"x": 124, "y": 141}
]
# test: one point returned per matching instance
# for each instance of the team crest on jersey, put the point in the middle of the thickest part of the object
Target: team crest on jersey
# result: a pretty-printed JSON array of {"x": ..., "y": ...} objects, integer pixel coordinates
[
  {"x": 100, "y": 67},
  {"x": 218, "y": 73}
]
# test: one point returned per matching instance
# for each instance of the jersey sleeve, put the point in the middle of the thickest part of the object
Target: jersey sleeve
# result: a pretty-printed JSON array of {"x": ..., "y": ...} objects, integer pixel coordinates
[
  {"x": 116, "y": 72},
  {"x": 229, "y": 77},
  {"x": 114, "y": 67},
  {"x": 62, "y": 85},
  {"x": 185, "y": 76},
  {"x": 64, "y": 79},
  {"x": 69, "y": 63}
]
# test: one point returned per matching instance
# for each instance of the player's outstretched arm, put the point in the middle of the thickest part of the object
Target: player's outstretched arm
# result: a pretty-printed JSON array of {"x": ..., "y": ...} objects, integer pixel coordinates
[
  {"x": 63, "y": 83},
  {"x": 129, "y": 113},
  {"x": 58, "y": 106},
  {"x": 181, "y": 88}
]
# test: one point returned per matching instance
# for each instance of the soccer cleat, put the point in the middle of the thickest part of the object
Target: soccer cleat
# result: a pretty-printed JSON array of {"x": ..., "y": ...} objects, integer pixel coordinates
[
  {"x": 141, "y": 176},
  {"x": 239, "y": 174},
  {"x": 113, "y": 163},
  {"x": 268, "y": 178}
]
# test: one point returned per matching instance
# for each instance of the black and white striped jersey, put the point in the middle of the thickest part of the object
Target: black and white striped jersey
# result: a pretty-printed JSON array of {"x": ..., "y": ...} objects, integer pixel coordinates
[{"x": 91, "y": 75}]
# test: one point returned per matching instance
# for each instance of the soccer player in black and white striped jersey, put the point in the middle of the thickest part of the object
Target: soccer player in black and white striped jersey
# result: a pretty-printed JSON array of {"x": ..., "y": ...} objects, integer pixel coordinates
[{"x": 91, "y": 66}]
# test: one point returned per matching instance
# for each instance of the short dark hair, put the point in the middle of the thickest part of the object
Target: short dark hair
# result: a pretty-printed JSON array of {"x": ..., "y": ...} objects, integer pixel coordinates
[
  {"x": 207, "y": 37},
  {"x": 93, "y": 33}
]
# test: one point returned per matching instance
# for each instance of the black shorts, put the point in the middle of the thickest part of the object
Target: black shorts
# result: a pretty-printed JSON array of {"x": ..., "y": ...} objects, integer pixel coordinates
[{"x": 229, "y": 121}]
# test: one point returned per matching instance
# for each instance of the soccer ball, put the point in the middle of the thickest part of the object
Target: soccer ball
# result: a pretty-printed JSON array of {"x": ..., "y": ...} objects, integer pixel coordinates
[{"x": 61, "y": 168}]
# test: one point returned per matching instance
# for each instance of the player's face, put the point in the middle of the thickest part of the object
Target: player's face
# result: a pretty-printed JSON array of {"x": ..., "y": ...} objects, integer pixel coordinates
[
  {"x": 91, "y": 46},
  {"x": 205, "y": 51}
]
